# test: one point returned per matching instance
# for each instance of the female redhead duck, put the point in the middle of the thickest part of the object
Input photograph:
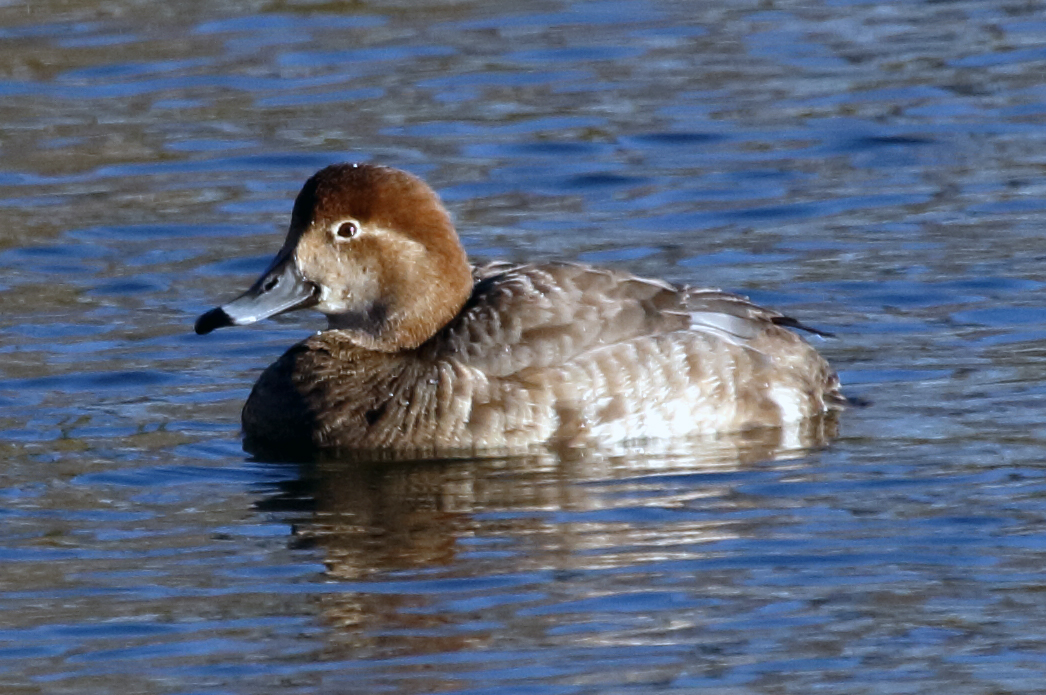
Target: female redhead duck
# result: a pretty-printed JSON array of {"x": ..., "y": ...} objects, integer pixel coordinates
[{"x": 425, "y": 353}]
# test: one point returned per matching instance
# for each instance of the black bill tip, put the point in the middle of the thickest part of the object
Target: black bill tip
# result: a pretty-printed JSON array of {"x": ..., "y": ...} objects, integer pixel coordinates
[{"x": 215, "y": 318}]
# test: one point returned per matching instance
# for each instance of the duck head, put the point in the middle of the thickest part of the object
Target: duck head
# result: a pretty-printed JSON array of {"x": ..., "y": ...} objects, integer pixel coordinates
[{"x": 371, "y": 247}]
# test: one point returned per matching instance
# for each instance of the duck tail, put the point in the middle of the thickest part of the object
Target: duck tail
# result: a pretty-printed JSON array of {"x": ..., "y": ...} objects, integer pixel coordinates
[{"x": 789, "y": 322}]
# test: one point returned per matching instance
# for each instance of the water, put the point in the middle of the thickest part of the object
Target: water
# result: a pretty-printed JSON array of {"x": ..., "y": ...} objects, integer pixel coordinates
[{"x": 875, "y": 169}]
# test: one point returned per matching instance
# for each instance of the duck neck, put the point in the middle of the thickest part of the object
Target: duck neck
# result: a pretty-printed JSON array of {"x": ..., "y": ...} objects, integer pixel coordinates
[{"x": 414, "y": 305}]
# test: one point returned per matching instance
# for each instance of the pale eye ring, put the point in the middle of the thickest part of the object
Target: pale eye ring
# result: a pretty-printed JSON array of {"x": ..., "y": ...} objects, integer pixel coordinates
[{"x": 347, "y": 230}]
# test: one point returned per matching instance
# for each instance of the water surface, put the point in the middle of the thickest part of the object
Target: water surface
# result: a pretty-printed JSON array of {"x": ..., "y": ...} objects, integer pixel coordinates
[{"x": 874, "y": 169}]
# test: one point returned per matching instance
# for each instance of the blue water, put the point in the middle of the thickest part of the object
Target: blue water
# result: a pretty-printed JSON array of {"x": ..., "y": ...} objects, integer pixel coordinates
[{"x": 874, "y": 169}]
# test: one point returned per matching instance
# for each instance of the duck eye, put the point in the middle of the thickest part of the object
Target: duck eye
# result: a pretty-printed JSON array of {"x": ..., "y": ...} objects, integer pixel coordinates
[{"x": 347, "y": 230}]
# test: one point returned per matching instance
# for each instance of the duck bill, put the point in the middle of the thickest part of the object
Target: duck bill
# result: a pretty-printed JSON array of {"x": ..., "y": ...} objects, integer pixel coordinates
[{"x": 281, "y": 288}]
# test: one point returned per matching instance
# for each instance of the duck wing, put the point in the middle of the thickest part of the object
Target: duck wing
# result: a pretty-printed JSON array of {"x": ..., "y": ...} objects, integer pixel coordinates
[
  {"x": 534, "y": 316},
  {"x": 733, "y": 317}
]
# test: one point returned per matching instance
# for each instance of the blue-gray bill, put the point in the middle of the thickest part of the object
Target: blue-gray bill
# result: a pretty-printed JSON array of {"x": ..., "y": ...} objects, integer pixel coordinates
[{"x": 280, "y": 288}]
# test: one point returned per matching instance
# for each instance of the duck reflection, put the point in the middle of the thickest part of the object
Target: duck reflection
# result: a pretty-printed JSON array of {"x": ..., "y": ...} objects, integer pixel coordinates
[{"x": 406, "y": 538}]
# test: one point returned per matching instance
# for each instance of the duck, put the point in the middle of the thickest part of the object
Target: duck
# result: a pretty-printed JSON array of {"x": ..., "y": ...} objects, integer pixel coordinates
[{"x": 425, "y": 352}]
